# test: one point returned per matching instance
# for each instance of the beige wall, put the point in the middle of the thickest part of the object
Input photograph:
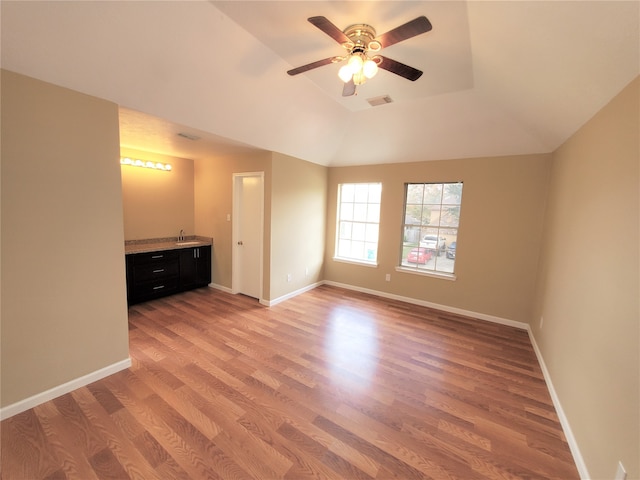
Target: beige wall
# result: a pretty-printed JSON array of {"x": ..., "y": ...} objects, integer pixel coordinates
[
  {"x": 588, "y": 286},
  {"x": 214, "y": 201},
  {"x": 157, "y": 204},
  {"x": 295, "y": 203},
  {"x": 298, "y": 207},
  {"x": 499, "y": 237},
  {"x": 64, "y": 311}
]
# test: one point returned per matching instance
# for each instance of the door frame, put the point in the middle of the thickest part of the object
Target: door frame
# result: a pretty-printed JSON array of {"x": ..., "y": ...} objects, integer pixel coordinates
[{"x": 235, "y": 231}]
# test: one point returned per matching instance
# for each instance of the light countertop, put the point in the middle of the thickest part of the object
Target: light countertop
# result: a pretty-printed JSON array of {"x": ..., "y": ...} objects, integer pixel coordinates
[{"x": 170, "y": 243}]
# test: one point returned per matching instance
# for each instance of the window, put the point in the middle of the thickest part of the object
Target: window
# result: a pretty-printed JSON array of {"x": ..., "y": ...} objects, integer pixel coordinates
[
  {"x": 430, "y": 229},
  {"x": 358, "y": 222}
]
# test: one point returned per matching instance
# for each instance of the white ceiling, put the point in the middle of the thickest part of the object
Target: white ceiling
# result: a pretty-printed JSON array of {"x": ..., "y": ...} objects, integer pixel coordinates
[{"x": 500, "y": 78}]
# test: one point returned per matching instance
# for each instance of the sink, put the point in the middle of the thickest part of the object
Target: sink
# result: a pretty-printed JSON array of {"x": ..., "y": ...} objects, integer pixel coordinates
[{"x": 187, "y": 243}]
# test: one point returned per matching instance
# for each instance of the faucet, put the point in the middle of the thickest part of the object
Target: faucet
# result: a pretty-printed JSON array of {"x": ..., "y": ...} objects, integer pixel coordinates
[{"x": 181, "y": 236}]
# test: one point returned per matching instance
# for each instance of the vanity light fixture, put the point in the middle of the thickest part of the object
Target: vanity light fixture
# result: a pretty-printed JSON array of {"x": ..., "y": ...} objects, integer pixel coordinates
[{"x": 145, "y": 164}]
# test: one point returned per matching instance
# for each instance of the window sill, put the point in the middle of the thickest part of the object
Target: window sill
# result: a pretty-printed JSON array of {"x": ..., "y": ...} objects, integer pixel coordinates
[
  {"x": 363, "y": 263},
  {"x": 428, "y": 273}
]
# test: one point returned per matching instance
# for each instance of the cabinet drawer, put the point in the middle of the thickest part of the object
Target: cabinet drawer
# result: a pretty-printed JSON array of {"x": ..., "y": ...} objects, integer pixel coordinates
[
  {"x": 157, "y": 288},
  {"x": 155, "y": 257},
  {"x": 156, "y": 270}
]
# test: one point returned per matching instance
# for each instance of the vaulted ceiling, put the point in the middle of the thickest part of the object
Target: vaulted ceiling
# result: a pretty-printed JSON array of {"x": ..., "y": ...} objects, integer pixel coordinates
[{"x": 500, "y": 78}]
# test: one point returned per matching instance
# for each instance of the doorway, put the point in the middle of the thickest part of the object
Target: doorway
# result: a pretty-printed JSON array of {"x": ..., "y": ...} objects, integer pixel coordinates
[{"x": 248, "y": 234}]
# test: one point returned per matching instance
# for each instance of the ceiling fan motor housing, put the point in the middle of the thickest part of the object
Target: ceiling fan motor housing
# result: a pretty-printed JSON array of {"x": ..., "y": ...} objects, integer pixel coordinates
[{"x": 362, "y": 37}]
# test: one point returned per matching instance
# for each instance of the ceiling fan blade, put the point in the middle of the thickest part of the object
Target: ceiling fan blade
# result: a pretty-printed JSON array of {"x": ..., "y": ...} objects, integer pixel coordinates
[
  {"x": 311, "y": 66},
  {"x": 398, "y": 68},
  {"x": 403, "y": 32},
  {"x": 329, "y": 28},
  {"x": 349, "y": 89}
]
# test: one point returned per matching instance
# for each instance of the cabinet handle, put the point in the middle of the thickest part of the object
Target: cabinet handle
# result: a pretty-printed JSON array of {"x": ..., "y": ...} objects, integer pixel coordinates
[
  {"x": 160, "y": 270},
  {"x": 158, "y": 287},
  {"x": 157, "y": 256}
]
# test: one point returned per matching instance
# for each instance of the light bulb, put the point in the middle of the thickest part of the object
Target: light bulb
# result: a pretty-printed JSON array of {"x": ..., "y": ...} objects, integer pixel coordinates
[
  {"x": 355, "y": 64},
  {"x": 370, "y": 68},
  {"x": 345, "y": 73},
  {"x": 359, "y": 78}
]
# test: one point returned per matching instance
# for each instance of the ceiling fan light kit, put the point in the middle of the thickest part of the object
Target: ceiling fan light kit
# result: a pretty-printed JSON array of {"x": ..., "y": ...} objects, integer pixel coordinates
[
  {"x": 359, "y": 40},
  {"x": 359, "y": 67}
]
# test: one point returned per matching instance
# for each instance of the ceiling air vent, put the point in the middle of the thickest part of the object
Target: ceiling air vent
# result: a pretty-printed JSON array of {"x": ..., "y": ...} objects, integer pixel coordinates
[
  {"x": 375, "y": 101},
  {"x": 188, "y": 136}
]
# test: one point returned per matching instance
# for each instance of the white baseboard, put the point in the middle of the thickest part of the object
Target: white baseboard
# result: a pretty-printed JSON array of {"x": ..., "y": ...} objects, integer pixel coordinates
[
  {"x": 220, "y": 287},
  {"x": 444, "y": 308},
  {"x": 35, "y": 400},
  {"x": 566, "y": 428},
  {"x": 271, "y": 303}
]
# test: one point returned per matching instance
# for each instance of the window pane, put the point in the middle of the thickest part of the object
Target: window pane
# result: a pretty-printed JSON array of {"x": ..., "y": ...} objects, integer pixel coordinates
[
  {"x": 415, "y": 192},
  {"x": 373, "y": 213},
  {"x": 427, "y": 214},
  {"x": 346, "y": 211},
  {"x": 345, "y": 230},
  {"x": 413, "y": 214},
  {"x": 411, "y": 235},
  {"x": 357, "y": 250},
  {"x": 360, "y": 212},
  {"x": 433, "y": 193},
  {"x": 452, "y": 194},
  {"x": 371, "y": 233},
  {"x": 344, "y": 248},
  {"x": 450, "y": 216},
  {"x": 358, "y": 231},
  {"x": 361, "y": 193},
  {"x": 371, "y": 251},
  {"x": 347, "y": 192}
]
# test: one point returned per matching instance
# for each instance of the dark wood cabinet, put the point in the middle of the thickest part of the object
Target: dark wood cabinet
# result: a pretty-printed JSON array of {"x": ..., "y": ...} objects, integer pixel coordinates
[
  {"x": 195, "y": 267},
  {"x": 151, "y": 275},
  {"x": 156, "y": 274}
]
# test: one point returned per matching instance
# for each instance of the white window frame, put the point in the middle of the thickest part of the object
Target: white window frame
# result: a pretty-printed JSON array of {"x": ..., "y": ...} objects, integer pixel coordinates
[
  {"x": 355, "y": 213},
  {"x": 438, "y": 229}
]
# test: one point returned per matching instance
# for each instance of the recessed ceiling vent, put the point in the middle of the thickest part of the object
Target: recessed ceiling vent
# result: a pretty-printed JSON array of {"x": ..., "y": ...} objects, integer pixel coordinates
[
  {"x": 375, "y": 101},
  {"x": 188, "y": 136}
]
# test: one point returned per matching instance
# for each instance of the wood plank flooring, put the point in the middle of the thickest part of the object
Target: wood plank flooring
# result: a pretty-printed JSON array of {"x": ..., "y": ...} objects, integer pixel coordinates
[{"x": 330, "y": 384}]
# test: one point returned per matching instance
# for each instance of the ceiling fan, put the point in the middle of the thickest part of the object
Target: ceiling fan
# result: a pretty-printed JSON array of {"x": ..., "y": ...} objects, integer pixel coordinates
[{"x": 362, "y": 44}]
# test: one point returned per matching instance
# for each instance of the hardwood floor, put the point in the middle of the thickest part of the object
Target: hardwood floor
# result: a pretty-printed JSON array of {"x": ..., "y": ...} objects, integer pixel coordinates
[{"x": 330, "y": 384}]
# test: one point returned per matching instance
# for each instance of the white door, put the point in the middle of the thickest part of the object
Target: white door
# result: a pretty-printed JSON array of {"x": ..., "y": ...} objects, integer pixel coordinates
[{"x": 248, "y": 208}]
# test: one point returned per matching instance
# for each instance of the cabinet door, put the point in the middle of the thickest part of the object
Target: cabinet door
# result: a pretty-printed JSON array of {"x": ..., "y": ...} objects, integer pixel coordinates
[
  {"x": 203, "y": 260},
  {"x": 188, "y": 268},
  {"x": 195, "y": 267}
]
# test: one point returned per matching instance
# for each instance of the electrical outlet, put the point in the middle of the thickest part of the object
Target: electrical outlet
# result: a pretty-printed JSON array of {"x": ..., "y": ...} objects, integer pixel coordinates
[
  {"x": 621, "y": 473},
  {"x": 541, "y": 320},
  {"x": 306, "y": 271},
  {"x": 387, "y": 277},
  {"x": 288, "y": 277}
]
